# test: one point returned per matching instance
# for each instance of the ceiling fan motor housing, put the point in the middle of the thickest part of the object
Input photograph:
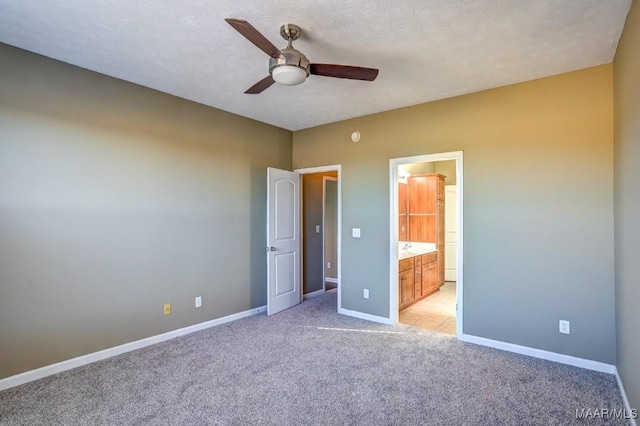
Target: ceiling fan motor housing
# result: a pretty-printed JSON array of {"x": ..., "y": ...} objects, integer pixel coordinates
[
  {"x": 287, "y": 68},
  {"x": 292, "y": 57}
]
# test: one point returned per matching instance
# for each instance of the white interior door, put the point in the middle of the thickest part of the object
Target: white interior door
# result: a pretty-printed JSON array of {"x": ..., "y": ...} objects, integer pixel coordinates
[{"x": 283, "y": 240}]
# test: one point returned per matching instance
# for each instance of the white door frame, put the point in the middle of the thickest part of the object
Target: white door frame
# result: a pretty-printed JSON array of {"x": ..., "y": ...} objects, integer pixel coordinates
[
  {"x": 321, "y": 169},
  {"x": 393, "y": 220},
  {"x": 324, "y": 232}
]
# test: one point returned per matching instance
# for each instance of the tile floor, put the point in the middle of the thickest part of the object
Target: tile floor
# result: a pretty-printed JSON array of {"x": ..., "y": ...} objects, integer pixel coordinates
[{"x": 436, "y": 312}]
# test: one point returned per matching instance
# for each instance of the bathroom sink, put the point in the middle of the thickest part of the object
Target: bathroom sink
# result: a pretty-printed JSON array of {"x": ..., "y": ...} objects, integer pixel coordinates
[{"x": 414, "y": 249}]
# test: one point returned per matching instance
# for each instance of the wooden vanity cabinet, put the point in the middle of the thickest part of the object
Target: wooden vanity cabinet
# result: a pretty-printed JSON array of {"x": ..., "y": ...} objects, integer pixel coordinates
[
  {"x": 417, "y": 275},
  {"x": 430, "y": 278},
  {"x": 418, "y": 278},
  {"x": 406, "y": 282},
  {"x": 421, "y": 219}
]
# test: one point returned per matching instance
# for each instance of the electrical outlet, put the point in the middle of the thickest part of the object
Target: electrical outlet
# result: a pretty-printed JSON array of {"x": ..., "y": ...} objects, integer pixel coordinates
[
  {"x": 198, "y": 302},
  {"x": 565, "y": 327},
  {"x": 167, "y": 308},
  {"x": 365, "y": 293},
  {"x": 355, "y": 232},
  {"x": 317, "y": 229},
  {"x": 328, "y": 265}
]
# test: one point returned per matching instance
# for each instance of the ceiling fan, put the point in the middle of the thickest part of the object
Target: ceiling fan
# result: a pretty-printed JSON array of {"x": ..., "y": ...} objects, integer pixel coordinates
[{"x": 289, "y": 66}]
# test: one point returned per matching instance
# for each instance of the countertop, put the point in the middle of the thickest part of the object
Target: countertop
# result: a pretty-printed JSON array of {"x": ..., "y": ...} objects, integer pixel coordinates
[{"x": 414, "y": 249}]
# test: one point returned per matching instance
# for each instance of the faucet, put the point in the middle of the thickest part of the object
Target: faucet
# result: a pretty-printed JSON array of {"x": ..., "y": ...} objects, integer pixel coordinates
[{"x": 406, "y": 246}]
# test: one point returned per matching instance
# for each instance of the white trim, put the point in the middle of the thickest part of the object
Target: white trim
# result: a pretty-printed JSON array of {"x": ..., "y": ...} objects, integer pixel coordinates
[
  {"x": 331, "y": 280},
  {"x": 362, "y": 315},
  {"x": 393, "y": 232},
  {"x": 332, "y": 168},
  {"x": 48, "y": 370},
  {"x": 320, "y": 169},
  {"x": 450, "y": 273},
  {"x": 539, "y": 353},
  {"x": 627, "y": 406},
  {"x": 314, "y": 293}
]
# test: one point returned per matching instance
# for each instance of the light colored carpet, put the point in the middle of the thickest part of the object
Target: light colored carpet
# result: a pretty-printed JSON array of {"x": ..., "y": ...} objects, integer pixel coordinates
[{"x": 310, "y": 366}]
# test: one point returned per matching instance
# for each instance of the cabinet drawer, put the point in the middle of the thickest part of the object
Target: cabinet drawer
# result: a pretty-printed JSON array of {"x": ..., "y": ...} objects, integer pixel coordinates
[
  {"x": 406, "y": 264},
  {"x": 429, "y": 257}
]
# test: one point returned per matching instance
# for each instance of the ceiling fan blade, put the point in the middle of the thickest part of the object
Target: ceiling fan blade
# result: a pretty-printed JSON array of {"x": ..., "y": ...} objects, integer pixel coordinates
[
  {"x": 344, "y": 71},
  {"x": 255, "y": 37},
  {"x": 260, "y": 86}
]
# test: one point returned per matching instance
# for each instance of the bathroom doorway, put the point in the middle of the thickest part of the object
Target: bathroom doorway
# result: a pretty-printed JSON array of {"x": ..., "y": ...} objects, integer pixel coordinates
[{"x": 426, "y": 242}]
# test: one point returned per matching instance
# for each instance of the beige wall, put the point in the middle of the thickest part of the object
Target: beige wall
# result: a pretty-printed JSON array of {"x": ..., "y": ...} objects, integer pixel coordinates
[
  {"x": 447, "y": 168},
  {"x": 627, "y": 204},
  {"x": 538, "y": 200},
  {"x": 417, "y": 168},
  {"x": 116, "y": 199}
]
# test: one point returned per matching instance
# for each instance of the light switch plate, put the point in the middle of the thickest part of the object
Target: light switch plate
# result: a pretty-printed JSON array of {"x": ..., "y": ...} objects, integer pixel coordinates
[{"x": 355, "y": 232}]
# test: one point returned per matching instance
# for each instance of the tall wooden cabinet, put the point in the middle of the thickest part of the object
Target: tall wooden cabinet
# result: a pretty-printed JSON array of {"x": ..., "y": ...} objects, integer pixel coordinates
[
  {"x": 422, "y": 198},
  {"x": 402, "y": 212},
  {"x": 440, "y": 229}
]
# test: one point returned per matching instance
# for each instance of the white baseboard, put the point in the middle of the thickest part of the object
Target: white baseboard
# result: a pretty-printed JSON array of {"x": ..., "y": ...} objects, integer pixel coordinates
[
  {"x": 627, "y": 406},
  {"x": 364, "y": 316},
  {"x": 539, "y": 353},
  {"x": 39, "y": 373},
  {"x": 313, "y": 294},
  {"x": 331, "y": 280}
]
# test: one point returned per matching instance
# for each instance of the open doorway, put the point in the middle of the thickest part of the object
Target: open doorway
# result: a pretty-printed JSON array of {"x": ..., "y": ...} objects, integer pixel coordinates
[
  {"x": 426, "y": 242},
  {"x": 321, "y": 240},
  {"x": 330, "y": 231}
]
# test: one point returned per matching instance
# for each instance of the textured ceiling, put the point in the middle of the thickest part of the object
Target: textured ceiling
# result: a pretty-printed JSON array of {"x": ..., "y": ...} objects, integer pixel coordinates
[{"x": 425, "y": 49}]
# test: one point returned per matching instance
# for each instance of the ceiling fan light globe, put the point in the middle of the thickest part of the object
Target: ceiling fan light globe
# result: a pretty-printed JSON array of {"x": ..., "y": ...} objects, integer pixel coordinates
[{"x": 289, "y": 75}]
